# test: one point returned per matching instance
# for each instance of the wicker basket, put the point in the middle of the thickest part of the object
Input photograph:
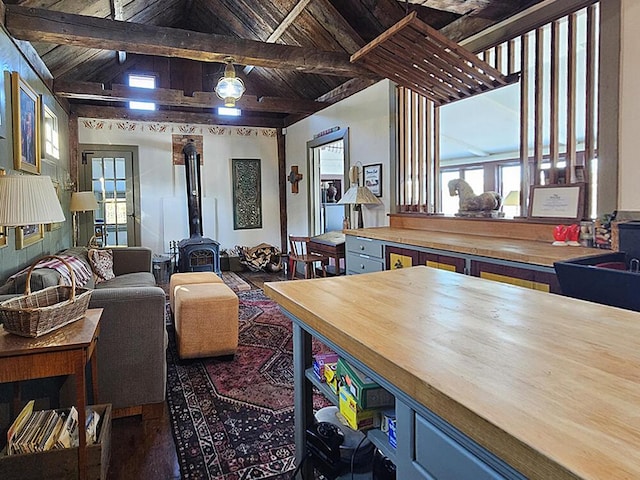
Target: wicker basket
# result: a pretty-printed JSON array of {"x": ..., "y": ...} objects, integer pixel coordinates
[{"x": 35, "y": 314}]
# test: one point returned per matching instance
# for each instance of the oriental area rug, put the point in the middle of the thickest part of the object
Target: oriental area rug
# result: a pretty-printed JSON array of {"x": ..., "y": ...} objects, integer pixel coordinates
[{"x": 233, "y": 419}]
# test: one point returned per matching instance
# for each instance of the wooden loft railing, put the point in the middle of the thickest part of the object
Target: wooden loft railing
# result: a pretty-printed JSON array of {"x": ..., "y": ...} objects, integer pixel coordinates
[{"x": 416, "y": 56}]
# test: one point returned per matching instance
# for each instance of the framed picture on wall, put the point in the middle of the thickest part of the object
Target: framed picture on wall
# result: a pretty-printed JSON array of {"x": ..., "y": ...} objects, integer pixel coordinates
[
  {"x": 4, "y": 81},
  {"x": 28, "y": 235},
  {"x": 373, "y": 178},
  {"x": 247, "y": 193},
  {"x": 25, "y": 105},
  {"x": 3, "y": 230}
]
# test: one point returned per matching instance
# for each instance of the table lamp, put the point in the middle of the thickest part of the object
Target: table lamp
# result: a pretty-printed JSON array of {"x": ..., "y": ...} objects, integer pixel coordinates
[
  {"x": 28, "y": 200},
  {"x": 358, "y": 195},
  {"x": 81, "y": 202}
]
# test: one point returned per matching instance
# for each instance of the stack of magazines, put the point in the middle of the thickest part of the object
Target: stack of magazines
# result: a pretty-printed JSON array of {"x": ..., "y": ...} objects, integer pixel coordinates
[{"x": 42, "y": 430}]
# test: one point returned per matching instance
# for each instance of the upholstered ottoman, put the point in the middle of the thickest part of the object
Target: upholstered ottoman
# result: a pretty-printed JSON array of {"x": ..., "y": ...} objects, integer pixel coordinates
[
  {"x": 206, "y": 320},
  {"x": 188, "y": 278}
]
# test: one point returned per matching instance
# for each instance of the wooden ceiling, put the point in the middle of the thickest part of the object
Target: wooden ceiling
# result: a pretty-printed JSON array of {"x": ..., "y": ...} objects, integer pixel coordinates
[{"x": 293, "y": 55}]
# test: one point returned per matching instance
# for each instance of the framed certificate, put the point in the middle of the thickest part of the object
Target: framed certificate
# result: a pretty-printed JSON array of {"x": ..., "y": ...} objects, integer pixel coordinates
[{"x": 560, "y": 202}]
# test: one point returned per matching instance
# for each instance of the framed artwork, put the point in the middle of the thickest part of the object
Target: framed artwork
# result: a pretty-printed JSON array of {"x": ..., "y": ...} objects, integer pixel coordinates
[
  {"x": 557, "y": 202},
  {"x": 3, "y": 230},
  {"x": 28, "y": 235},
  {"x": 4, "y": 81},
  {"x": 247, "y": 193},
  {"x": 373, "y": 178},
  {"x": 25, "y": 103}
]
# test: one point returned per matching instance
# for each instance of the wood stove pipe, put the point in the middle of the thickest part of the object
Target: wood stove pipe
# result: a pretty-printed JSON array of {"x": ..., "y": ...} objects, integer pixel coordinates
[{"x": 194, "y": 200}]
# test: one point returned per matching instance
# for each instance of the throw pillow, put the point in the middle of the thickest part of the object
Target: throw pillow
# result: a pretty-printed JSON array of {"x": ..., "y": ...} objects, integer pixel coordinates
[{"x": 101, "y": 264}]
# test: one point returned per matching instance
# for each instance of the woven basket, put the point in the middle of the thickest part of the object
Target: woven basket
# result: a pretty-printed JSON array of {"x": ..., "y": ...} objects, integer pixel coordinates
[{"x": 35, "y": 314}]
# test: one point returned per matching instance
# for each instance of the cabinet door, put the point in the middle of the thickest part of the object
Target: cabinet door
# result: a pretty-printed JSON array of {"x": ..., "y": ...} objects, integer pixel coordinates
[
  {"x": 401, "y": 257},
  {"x": 427, "y": 452},
  {"x": 443, "y": 262},
  {"x": 521, "y": 277},
  {"x": 547, "y": 282}
]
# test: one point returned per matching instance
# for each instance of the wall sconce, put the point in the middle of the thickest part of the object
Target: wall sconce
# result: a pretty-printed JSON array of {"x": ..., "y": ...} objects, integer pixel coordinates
[
  {"x": 28, "y": 200},
  {"x": 68, "y": 185}
]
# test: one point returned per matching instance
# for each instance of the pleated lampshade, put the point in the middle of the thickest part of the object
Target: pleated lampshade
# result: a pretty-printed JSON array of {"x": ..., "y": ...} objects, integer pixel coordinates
[{"x": 28, "y": 200}]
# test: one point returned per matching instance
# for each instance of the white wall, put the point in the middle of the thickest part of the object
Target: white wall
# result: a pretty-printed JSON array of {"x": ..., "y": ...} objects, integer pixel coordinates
[
  {"x": 629, "y": 122},
  {"x": 371, "y": 121},
  {"x": 163, "y": 183}
]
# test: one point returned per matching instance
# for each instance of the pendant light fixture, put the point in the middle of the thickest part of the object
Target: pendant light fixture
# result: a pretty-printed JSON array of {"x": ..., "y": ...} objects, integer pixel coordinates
[{"x": 229, "y": 88}]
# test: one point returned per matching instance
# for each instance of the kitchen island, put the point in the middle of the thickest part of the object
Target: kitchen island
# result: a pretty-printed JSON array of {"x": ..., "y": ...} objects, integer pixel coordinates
[{"x": 490, "y": 380}]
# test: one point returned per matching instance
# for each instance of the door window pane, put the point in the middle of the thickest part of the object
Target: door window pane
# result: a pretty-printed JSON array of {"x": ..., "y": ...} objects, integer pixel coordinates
[{"x": 120, "y": 168}]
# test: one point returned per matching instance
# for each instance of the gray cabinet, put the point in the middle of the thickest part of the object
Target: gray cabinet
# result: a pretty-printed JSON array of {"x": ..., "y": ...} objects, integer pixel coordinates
[{"x": 363, "y": 255}]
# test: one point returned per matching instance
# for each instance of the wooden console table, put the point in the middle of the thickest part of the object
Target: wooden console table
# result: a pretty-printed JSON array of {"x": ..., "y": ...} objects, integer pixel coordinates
[
  {"x": 490, "y": 380},
  {"x": 65, "y": 351},
  {"x": 330, "y": 244}
]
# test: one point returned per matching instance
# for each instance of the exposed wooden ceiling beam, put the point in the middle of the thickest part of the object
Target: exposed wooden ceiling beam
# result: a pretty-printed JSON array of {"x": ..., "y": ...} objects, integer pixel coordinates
[
  {"x": 523, "y": 22},
  {"x": 115, "y": 113},
  {"x": 277, "y": 33},
  {"x": 40, "y": 25},
  {"x": 117, "y": 14},
  {"x": 347, "y": 89},
  {"x": 461, "y": 7},
  {"x": 176, "y": 98}
]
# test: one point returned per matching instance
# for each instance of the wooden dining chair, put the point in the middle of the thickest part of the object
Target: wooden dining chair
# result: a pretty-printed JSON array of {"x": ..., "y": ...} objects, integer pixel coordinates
[{"x": 300, "y": 253}]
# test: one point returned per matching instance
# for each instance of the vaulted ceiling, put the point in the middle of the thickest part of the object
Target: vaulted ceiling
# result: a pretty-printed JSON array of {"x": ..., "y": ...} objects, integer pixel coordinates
[{"x": 293, "y": 55}]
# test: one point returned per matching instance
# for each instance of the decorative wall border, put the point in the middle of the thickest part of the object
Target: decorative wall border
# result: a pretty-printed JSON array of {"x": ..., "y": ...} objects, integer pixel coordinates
[{"x": 175, "y": 128}]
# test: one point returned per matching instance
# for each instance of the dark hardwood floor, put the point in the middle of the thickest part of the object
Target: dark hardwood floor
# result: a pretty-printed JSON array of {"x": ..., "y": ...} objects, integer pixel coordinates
[{"x": 145, "y": 450}]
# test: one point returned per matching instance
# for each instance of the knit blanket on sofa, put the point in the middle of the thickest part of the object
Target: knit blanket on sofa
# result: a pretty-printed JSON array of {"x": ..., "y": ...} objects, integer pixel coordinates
[{"x": 80, "y": 269}]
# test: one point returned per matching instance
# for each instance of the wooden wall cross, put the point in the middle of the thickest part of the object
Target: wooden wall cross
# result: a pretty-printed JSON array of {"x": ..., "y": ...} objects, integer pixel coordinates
[{"x": 294, "y": 178}]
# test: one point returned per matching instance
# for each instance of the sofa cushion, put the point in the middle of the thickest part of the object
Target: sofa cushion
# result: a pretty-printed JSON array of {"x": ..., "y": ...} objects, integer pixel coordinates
[
  {"x": 101, "y": 264},
  {"x": 137, "y": 279}
]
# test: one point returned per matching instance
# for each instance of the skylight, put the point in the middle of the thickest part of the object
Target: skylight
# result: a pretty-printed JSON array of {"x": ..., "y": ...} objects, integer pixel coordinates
[
  {"x": 142, "y": 81},
  {"x": 228, "y": 111}
]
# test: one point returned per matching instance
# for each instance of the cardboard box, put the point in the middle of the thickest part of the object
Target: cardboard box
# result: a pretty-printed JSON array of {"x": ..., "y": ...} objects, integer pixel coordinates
[
  {"x": 387, "y": 416},
  {"x": 392, "y": 434},
  {"x": 320, "y": 360},
  {"x": 357, "y": 418},
  {"x": 63, "y": 464},
  {"x": 368, "y": 394},
  {"x": 331, "y": 377}
]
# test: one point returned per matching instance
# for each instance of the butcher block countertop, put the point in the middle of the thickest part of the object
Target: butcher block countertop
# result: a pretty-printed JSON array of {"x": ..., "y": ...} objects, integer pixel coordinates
[
  {"x": 516, "y": 250},
  {"x": 549, "y": 384}
]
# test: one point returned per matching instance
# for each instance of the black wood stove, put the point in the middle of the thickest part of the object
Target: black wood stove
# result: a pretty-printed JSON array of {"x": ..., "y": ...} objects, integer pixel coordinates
[{"x": 196, "y": 253}]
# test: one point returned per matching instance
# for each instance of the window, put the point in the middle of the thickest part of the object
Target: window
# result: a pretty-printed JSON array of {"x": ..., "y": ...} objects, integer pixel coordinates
[
  {"x": 51, "y": 137},
  {"x": 510, "y": 182},
  {"x": 142, "y": 81}
]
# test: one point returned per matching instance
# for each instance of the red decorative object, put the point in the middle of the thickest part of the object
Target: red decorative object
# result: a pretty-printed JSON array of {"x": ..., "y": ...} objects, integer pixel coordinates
[
  {"x": 573, "y": 235},
  {"x": 560, "y": 235}
]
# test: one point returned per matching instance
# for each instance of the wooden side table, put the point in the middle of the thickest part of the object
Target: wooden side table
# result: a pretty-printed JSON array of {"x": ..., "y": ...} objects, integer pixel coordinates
[
  {"x": 330, "y": 244},
  {"x": 65, "y": 351}
]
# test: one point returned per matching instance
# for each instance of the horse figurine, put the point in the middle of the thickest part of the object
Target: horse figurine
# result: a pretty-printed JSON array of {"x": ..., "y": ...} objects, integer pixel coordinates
[{"x": 470, "y": 202}]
